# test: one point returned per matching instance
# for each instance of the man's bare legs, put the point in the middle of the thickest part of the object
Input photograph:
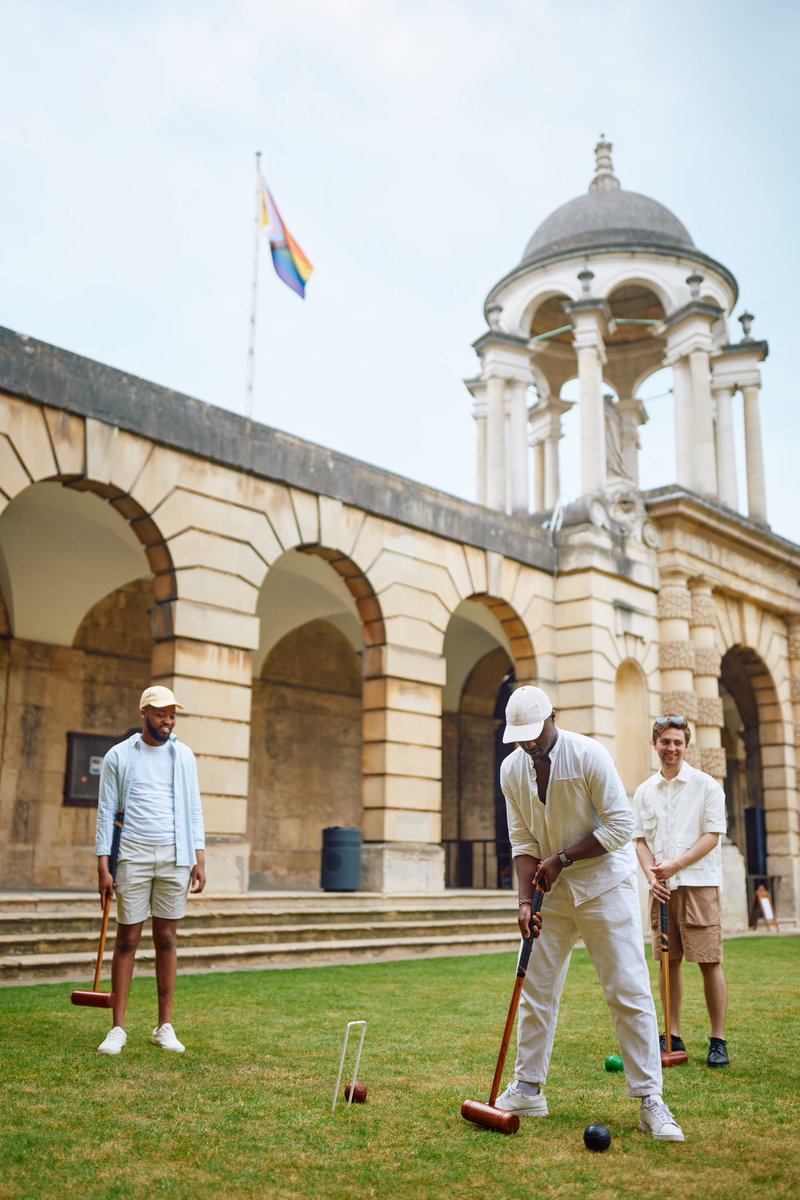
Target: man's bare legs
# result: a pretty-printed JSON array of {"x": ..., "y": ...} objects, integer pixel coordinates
[{"x": 164, "y": 939}]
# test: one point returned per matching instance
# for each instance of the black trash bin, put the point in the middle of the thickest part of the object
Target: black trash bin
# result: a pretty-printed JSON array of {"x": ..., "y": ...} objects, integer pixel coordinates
[{"x": 341, "y": 859}]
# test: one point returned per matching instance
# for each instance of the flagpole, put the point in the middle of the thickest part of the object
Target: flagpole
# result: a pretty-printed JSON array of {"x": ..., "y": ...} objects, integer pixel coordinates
[{"x": 251, "y": 352}]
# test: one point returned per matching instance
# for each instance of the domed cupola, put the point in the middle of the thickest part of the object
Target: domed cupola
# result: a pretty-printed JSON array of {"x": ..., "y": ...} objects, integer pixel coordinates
[
  {"x": 607, "y": 217},
  {"x": 612, "y": 288}
]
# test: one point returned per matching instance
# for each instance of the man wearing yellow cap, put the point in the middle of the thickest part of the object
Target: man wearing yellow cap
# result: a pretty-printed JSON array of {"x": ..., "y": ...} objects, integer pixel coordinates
[{"x": 152, "y": 777}]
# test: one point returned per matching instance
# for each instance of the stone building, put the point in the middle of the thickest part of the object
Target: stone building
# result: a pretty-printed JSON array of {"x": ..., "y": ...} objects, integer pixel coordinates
[{"x": 344, "y": 640}]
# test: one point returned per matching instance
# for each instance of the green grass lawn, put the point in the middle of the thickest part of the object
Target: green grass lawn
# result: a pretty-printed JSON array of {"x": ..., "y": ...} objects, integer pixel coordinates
[{"x": 246, "y": 1111}]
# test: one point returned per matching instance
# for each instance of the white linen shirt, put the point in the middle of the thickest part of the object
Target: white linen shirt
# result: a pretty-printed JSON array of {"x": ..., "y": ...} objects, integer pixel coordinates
[
  {"x": 585, "y": 796},
  {"x": 671, "y": 814}
]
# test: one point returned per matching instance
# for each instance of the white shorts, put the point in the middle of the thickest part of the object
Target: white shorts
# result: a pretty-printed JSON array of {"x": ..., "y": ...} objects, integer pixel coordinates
[{"x": 148, "y": 882}]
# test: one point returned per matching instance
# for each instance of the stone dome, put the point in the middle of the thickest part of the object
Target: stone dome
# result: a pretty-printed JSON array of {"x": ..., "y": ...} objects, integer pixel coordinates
[{"x": 607, "y": 217}]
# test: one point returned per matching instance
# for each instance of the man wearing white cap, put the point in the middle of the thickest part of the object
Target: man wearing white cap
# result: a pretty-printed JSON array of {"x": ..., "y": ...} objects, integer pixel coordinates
[
  {"x": 152, "y": 777},
  {"x": 570, "y": 826}
]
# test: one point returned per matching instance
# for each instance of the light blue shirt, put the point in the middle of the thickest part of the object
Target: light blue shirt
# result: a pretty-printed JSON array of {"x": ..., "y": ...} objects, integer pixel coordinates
[{"x": 116, "y": 779}]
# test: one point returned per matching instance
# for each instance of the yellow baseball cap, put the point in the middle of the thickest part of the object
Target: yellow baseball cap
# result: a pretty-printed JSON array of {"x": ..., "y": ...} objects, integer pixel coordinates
[{"x": 158, "y": 697}]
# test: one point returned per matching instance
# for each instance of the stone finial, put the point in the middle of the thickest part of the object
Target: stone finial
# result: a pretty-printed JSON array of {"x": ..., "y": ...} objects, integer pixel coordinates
[
  {"x": 604, "y": 177},
  {"x": 746, "y": 322}
]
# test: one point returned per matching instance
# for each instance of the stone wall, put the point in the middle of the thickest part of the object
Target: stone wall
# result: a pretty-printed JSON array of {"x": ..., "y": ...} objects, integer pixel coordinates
[
  {"x": 305, "y": 759},
  {"x": 48, "y": 691}
]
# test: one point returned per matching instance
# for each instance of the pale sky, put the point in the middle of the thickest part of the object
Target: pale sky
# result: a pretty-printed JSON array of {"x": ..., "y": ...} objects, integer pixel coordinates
[{"x": 413, "y": 148}]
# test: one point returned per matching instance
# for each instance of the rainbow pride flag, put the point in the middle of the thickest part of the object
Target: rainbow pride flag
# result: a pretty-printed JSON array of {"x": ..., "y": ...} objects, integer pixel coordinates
[{"x": 289, "y": 261}]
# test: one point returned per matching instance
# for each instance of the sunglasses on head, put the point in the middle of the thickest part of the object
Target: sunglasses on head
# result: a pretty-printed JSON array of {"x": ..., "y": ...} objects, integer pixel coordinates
[{"x": 671, "y": 719}]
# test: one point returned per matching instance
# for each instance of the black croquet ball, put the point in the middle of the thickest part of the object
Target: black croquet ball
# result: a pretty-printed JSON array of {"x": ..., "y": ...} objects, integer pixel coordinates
[{"x": 596, "y": 1137}]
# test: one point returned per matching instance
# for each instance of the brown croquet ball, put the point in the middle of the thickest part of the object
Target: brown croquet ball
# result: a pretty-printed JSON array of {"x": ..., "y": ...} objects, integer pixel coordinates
[{"x": 359, "y": 1092}]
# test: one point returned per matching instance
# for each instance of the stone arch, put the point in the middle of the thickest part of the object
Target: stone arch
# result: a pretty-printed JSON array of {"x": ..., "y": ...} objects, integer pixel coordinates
[
  {"x": 516, "y": 632},
  {"x": 360, "y": 588},
  {"x": 474, "y": 826},
  {"x": 78, "y": 653},
  {"x": 631, "y": 275},
  {"x": 306, "y": 745},
  {"x": 632, "y": 704},
  {"x": 488, "y": 650},
  {"x": 758, "y": 779}
]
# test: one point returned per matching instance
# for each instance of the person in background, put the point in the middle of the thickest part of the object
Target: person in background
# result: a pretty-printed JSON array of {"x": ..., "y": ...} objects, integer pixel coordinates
[{"x": 679, "y": 818}]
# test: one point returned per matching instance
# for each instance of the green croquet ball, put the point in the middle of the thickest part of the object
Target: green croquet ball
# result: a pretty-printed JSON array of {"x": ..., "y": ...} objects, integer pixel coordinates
[{"x": 614, "y": 1063}]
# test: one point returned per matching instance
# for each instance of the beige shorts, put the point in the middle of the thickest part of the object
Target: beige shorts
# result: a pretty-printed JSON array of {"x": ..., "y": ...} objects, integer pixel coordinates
[
  {"x": 695, "y": 925},
  {"x": 148, "y": 882}
]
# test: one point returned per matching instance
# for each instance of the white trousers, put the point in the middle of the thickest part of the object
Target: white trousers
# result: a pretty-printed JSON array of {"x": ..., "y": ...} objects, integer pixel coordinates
[{"x": 611, "y": 929}]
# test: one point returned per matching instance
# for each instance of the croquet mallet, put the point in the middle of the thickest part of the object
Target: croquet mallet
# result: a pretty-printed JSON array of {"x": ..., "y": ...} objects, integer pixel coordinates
[
  {"x": 669, "y": 1057},
  {"x": 95, "y": 998},
  {"x": 486, "y": 1114}
]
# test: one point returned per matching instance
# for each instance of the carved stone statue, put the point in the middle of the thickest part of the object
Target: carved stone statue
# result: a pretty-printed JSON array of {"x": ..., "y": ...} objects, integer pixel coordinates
[{"x": 615, "y": 462}]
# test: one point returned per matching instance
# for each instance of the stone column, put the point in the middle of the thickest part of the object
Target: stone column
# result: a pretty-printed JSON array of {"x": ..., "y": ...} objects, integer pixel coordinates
[
  {"x": 676, "y": 652},
  {"x": 539, "y": 476},
  {"x": 756, "y": 491},
  {"x": 710, "y": 718},
  {"x": 213, "y": 680},
  {"x": 517, "y": 391},
  {"x": 546, "y": 433},
  {"x": 704, "y": 459},
  {"x": 590, "y": 350},
  {"x": 726, "y": 451},
  {"x": 794, "y": 670},
  {"x": 402, "y": 771},
  {"x": 682, "y": 394},
  {"x": 496, "y": 442},
  {"x": 479, "y": 413}
]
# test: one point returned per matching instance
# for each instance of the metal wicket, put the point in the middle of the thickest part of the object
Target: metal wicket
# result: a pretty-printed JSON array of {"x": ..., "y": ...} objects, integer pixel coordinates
[{"x": 350, "y": 1025}]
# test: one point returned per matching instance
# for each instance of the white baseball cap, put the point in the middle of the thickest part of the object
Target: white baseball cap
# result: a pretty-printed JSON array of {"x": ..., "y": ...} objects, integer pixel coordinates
[
  {"x": 526, "y": 713},
  {"x": 157, "y": 697}
]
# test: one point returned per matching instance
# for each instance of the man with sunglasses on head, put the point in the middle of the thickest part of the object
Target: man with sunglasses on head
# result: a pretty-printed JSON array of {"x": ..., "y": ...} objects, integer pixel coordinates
[{"x": 680, "y": 819}]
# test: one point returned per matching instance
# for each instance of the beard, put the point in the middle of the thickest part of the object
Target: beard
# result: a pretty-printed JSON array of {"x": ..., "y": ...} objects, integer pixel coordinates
[{"x": 156, "y": 733}]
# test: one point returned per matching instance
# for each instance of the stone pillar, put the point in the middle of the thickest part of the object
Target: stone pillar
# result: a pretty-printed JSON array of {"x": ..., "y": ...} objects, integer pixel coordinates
[
  {"x": 479, "y": 413},
  {"x": 682, "y": 394},
  {"x": 794, "y": 671},
  {"x": 213, "y": 680},
  {"x": 710, "y": 718},
  {"x": 726, "y": 451},
  {"x": 402, "y": 771},
  {"x": 539, "y": 476},
  {"x": 591, "y": 357},
  {"x": 495, "y": 442},
  {"x": 704, "y": 459},
  {"x": 546, "y": 433},
  {"x": 676, "y": 652},
  {"x": 756, "y": 490},
  {"x": 517, "y": 391}
]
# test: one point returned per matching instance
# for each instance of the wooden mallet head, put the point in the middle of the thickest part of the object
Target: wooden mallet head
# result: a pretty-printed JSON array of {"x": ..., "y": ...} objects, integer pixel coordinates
[{"x": 94, "y": 999}]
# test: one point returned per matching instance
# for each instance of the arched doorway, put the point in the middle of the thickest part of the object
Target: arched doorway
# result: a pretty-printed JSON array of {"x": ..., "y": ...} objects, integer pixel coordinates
[{"x": 748, "y": 736}]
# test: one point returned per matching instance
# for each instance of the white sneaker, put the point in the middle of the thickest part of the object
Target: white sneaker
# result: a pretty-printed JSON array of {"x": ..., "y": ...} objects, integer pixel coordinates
[
  {"x": 655, "y": 1118},
  {"x": 514, "y": 1099},
  {"x": 164, "y": 1036},
  {"x": 115, "y": 1039}
]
